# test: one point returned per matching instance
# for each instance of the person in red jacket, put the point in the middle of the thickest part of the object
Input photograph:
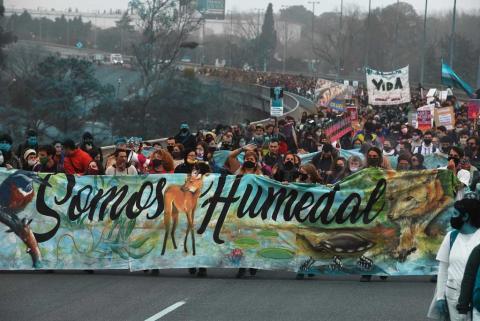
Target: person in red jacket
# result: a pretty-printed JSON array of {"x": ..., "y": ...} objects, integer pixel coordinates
[{"x": 76, "y": 160}]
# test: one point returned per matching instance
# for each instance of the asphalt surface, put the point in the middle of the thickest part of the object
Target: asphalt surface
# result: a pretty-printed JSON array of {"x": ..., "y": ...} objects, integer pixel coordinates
[{"x": 175, "y": 295}]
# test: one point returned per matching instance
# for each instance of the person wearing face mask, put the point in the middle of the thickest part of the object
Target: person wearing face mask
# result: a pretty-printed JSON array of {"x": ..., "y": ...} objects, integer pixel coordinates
[
  {"x": 404, "y": 134},
  {"x": 339, "y": 172},
  {"x": 202, "y": 151},
  {"x": 286, "y": 172},
  {"x": 417, "y": 162},
  {"x": 325, "y": 160},
  {"x": 454, "y": 164},
  {"x": 374, "y": 157},
  {"x": 45, "y": 157},
  {"x": 190, "y": 160},
  {"x": 426, "y": 148},
  {"x": 31, "y": 142},
  {"x": 357, "y": 144},
  {"x": 185, "y": 138},
  {"x": 30, "y": 161},
  {"x": 258, "y": 137},
  {"x": 416, "y": 140},
  {"x": 161, "y": 162},
  {"x": 89, "y": 147},
  {"x": 453, "y": 255},
  {"x": 445, "y": 144},
  {"x": 473, "y": 151},
  {"x": 388, "y": 149},
  {"x": 463, "y": 138},
  {"x": 250, "y": 165},
  {"x": 355, "y": 164},
  {"x": 170, "y": 144},
  {"x": 308, "y": 174},
  {"x": 308, "y": 143},
  {"x": 404, "y": 163},
  {"x": 10, "y": 160}
]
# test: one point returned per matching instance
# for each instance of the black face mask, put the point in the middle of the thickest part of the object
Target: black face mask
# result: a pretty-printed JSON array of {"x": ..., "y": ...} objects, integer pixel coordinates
[
  {"x": 457, "y": 222},
  {"x": 374, "y": 162},
  {"x": 170, "y": 149},
  {"x": 387, "y": 149},
  {"x": 338, "y": 168},
  {"x": 303, "y": 177},
  {"x": 289, "y": 166},
  {"x": 445, "y": 150},
  {"x": 455, "y": 160},
  {"x": 427, "y": 142},
  {"x": 249, "y": 165}
]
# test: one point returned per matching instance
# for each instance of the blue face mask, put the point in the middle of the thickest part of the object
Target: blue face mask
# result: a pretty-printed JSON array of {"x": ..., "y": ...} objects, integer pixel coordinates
[
  {"x": 5, "y": 147},
  {"x": 32, "y": 141}
]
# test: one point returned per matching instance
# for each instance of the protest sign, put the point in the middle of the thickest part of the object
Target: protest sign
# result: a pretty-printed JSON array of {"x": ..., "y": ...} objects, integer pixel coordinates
[
  {"x": 388, "y": 88},
  {"x": 425, "y": 117},
  {"x": 353, "y": 110},
  {"x": 140, "y": 222},
  {"x": 276, "y": 102},
  {"x": 337, "y": 104},
  {"x": 473, "y": 108},
  {"x": 445, "y": 117}
]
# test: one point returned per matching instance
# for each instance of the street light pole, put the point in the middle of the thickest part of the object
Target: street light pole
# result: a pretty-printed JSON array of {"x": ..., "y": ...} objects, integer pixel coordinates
[
  {"x": 313, "y": 3},
  {"x": 285, "y": 40},
  {"x": 368, "y": 32},
  {"x": 394, "y": 53},
  {"x": 422, "y": 65},
  {"x": 340, "y": 39},
  {"x": 452, "y": 36}
]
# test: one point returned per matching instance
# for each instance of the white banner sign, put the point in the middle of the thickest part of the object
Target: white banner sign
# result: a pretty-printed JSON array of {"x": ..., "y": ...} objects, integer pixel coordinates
[{"x": 388, "y": 88}]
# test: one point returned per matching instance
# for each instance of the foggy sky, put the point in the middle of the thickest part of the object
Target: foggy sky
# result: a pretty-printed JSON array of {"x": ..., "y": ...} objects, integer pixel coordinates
[{"x": 246, "y": 5}]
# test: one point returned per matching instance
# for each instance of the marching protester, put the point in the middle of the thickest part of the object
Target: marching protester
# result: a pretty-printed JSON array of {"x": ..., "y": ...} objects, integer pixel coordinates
[
  {"x": 31, "y": 142},
  {"x": 76, "y": 161},
  {"x": 8, "y": 159},
  {"x": 452, "y": 256},
  {"x": 121, "y": 166}
]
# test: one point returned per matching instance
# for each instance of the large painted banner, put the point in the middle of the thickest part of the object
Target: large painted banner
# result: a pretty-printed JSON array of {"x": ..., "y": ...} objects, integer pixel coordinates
[
  {"x": 375, "y": 222},
  {"x": 388, "y": 88}
]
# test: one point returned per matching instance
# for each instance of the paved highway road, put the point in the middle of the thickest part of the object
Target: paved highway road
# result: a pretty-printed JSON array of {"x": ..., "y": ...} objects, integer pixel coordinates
[{"x": 175, "y": 295}]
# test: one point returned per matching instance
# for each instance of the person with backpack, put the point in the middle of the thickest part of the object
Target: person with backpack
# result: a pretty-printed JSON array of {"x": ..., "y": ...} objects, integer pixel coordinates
[{"x": 453, "y": 255}]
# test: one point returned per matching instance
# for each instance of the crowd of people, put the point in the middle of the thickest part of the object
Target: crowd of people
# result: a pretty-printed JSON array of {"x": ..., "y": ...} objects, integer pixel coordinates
[
  {"x": 276, "y": 149},
  {"x": 298, "y": 84}
]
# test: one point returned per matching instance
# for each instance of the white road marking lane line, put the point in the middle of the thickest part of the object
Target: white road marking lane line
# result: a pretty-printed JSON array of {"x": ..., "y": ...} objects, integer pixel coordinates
[{"x": 166, "y": 311}]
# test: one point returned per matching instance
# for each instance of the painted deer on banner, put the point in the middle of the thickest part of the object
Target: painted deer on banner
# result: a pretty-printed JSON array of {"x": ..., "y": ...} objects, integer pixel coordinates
[{"x": 182, "y": 199}]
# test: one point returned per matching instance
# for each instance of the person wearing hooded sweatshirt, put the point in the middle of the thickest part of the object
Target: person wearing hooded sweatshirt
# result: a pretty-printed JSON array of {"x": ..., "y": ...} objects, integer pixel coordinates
[
  {"x": 8, "y": 159},
  {"x": 186, "y": 138},
  {"x": 88, "y": 145},
  {"x": 31, "y": 142},
  {"x": 452, "y": 256}
]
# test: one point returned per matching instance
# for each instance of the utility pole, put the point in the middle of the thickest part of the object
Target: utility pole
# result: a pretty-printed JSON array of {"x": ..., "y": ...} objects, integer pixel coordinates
[
  {"x": 257, "y": 40},
  {"x": 424, "y": 40},
  {"x": 313, "y": 3},
  {"x": 478, "y": 74},
  {"x": 285, "y": 40},
  {"x": 452, "y": 36},
  {"x": 368, "y": 33},
  {"x": 394, "y": 52},
  {"x": 231, "y": 38},
  {"x": 340, "y": 31}
]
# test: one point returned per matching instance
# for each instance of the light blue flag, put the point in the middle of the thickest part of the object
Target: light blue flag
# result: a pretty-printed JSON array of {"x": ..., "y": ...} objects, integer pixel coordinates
[{"x": 450, "y": 78}]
